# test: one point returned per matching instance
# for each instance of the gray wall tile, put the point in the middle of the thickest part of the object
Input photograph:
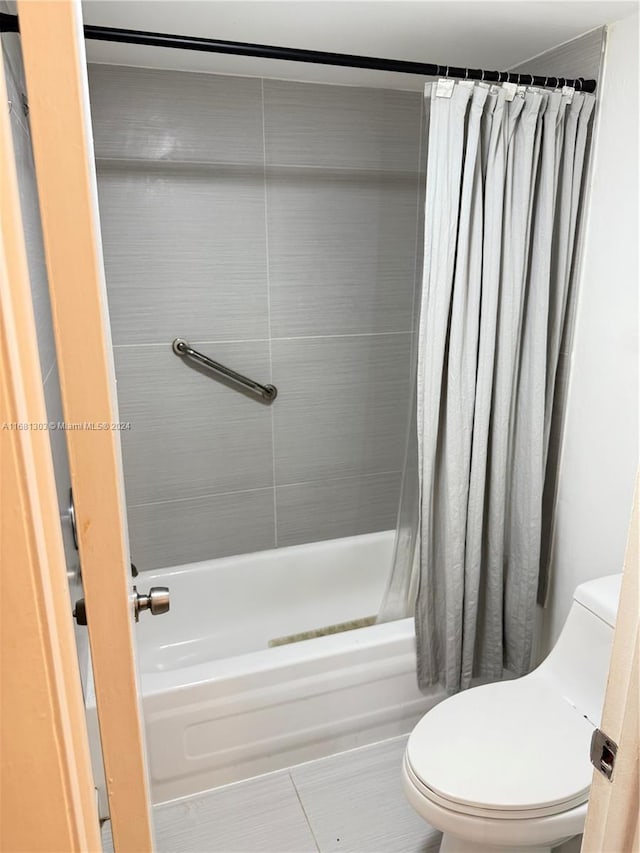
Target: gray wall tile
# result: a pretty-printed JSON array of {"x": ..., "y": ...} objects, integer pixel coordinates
[
  {"x": 30, "y": 210},
  {"x": 148, "y": 114},
  {"x": 341, "y": 251},
  {"x": 185, "y": 253},
  {"x": 201, "y": 243},
  {"x": 342, "y": 407},
  {"x": 345, "y": 126},
  {"x": 176, "y": 532},
  {"x": 330, "y": 509},
  {"x": 191, "y": 434}
]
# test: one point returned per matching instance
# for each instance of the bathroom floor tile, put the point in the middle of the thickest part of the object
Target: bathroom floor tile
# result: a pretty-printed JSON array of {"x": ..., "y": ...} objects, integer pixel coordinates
[
  {"x": 351, "y": 802},
  {"x": 354, "y": 802},
  {"x": 261, "y": 815}
]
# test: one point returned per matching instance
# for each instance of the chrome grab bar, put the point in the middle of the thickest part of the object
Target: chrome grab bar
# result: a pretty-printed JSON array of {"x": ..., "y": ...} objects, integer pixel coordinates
[{"x": 265, "y": 392}]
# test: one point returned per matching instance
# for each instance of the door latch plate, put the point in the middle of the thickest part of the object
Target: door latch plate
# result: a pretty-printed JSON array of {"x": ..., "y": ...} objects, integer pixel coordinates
[{"x": 603, "y": 753}]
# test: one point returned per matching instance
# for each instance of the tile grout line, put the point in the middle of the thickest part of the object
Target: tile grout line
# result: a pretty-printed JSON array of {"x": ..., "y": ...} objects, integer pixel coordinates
[
  {"x": 266, "y": 235},
  {"x": 113, "y": 163},
  {"x": 304, "y": 811},
  {"x": 200, "y": 497},
  {"x": 271, "y": 339},
  {"x": 49, "y": 372},
  {"x": 265, "y": 488}
]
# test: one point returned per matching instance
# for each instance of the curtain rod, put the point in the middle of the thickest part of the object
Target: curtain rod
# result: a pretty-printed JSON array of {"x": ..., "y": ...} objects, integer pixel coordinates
[{"x": 9, "y": 24}]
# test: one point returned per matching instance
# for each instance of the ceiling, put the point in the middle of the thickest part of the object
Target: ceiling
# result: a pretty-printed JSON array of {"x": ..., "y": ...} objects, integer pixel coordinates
[{"x": 490, "y": 35}]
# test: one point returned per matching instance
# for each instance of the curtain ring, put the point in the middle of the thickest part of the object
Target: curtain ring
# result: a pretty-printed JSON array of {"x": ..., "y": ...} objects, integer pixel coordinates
[
  {"x": 577, "y": 84},
  {"x": 466, "y": 73},
  {"x": 482, "y": 78}
]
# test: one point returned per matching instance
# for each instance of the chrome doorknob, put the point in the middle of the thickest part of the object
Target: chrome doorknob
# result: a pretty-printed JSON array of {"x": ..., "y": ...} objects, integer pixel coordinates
[{"x": 156, "y": 600}]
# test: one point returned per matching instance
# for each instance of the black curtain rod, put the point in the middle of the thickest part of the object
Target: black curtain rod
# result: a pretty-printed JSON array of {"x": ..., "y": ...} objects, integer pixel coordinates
[{"x": 9, "y": 23}]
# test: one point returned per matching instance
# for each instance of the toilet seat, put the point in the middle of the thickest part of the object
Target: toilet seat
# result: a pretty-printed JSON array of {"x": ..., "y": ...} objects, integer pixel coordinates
[
  {"x": 487, "y": 812},
  {"x": 511, "y": 750},
  {"x": 506, "y": 835}
]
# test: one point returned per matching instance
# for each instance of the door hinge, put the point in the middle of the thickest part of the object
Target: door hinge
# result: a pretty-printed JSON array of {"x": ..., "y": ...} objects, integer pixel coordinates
[{"x": 603, "y": 753}]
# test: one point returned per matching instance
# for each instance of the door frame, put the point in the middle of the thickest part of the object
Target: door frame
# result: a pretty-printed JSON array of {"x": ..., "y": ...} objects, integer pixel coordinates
[
  {"x": 44, "y": 747},
  {"x": 59, "y": 114}
]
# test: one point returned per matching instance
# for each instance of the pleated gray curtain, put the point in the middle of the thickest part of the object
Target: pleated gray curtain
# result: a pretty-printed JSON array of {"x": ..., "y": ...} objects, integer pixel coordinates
[{"x": 504, "y": 172}]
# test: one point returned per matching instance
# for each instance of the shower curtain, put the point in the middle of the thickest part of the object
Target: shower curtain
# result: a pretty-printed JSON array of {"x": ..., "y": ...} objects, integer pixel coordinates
[{"x": 504, "y": 175}]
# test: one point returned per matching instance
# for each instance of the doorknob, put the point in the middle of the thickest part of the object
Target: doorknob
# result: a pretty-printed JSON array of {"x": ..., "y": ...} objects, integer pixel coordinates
[{"x": 156, "y": 600}]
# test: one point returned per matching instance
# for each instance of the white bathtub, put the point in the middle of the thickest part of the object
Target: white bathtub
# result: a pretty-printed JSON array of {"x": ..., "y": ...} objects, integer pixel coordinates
[{"x": 220, "y": 706}]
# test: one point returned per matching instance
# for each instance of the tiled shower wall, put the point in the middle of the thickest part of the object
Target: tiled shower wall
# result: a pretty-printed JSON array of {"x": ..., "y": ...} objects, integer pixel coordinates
[{"x": 274, "y": 225}]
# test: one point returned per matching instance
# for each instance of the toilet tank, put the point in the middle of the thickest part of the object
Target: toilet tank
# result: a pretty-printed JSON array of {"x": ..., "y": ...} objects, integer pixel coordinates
[{"x": 578, "y": 664}]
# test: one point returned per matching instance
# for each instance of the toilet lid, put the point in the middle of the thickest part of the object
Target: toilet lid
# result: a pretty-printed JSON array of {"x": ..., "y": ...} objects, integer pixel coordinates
[{"x": 516, "y": 747}]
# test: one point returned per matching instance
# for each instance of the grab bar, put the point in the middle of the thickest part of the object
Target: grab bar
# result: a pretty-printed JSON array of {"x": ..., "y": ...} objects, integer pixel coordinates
[{"x": 265, "y": 392}]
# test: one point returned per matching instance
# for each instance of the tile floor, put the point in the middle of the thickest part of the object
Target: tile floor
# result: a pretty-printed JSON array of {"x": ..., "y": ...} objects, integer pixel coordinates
[{"x": 351, "y": 802}]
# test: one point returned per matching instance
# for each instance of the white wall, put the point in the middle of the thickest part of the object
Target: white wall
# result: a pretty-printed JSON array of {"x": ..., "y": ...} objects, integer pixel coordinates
[{"x": 600, "y": 446}]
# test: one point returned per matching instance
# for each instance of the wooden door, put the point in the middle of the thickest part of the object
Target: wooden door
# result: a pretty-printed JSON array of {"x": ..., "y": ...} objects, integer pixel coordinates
[
  {"x": 613, "y": 818},
  {"x": 55, "y": 69},
  {"x": 47, "y": 798}
]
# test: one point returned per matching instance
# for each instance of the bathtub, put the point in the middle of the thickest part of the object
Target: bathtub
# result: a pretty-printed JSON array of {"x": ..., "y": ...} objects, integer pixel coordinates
[{"x": 220, "y": 705}]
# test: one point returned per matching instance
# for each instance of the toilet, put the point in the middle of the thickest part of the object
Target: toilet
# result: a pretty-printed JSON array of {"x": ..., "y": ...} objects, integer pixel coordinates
[{"x": 505, "y": 766}]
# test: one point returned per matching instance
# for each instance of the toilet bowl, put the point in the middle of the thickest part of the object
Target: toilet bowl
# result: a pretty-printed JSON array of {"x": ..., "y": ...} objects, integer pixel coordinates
[{"x": 505, "y": 766}]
